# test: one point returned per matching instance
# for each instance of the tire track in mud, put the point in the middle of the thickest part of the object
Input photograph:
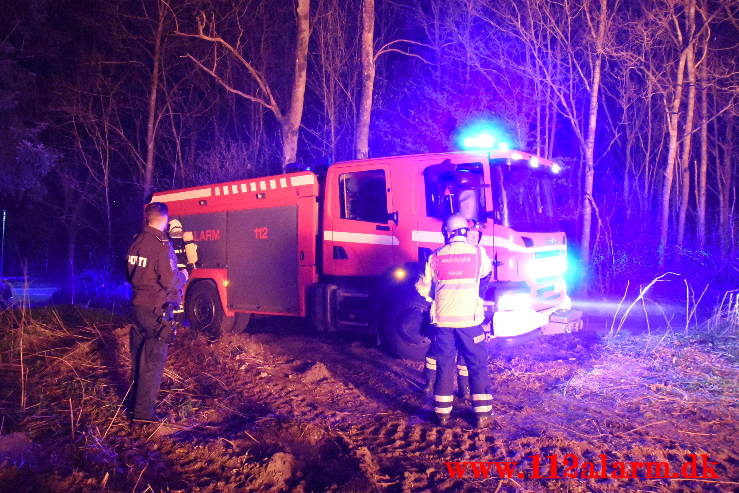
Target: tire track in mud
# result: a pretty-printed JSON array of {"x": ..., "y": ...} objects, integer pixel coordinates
[
  {"x": 355, "y": 395},
  {"x": 407, "y": 448}
]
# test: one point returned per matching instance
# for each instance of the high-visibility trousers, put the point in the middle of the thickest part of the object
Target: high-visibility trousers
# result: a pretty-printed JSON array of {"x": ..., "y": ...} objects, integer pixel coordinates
[
  {"x": 463, "y": 375},
  {"x": 470, "y": 343}
]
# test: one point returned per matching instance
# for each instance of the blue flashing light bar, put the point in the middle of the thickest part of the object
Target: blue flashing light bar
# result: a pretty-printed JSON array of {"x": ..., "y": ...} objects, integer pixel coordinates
[{"x": 480, "y": 141}]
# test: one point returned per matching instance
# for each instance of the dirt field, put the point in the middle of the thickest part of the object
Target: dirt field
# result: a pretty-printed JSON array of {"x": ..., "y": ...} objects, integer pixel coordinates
[{"x": 283, "y": 409}]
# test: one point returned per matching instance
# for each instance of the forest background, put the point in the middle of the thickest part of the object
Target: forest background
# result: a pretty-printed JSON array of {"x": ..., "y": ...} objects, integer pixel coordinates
[{"x": 103, "y": 102}]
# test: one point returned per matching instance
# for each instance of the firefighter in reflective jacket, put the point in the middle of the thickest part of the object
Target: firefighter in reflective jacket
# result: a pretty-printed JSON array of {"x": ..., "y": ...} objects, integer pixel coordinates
[
  {"x": 454, "y": 272},
  {"x": 474, "y": 235},
  {"x": 157, "y": 285}
]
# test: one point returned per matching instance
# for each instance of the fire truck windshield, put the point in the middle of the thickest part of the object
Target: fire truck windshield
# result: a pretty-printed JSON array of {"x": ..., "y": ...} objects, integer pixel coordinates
[
  {"x": 523, "y": 197},
  {"x": 455, "y": 188}
]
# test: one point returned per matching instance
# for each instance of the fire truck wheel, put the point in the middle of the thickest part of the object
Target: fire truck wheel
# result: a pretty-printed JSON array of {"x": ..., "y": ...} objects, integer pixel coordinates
[
  {"x": 240, "y": 323},
  {"x": 204, "y": 310},
  {"x": 402, "y": 329}
]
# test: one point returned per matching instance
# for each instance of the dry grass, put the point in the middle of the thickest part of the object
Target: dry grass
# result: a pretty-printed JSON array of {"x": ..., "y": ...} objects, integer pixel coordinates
[
  {"x": 58, "y": 383},
  {"x": 63, "y": 373}
]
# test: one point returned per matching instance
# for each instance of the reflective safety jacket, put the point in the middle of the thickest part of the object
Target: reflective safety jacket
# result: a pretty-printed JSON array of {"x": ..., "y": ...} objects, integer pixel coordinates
[{"x": 454, "y": 272}]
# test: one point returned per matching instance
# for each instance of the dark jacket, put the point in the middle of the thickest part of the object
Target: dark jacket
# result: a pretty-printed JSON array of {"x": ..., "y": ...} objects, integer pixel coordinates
[{"x": 152, "y": 269}]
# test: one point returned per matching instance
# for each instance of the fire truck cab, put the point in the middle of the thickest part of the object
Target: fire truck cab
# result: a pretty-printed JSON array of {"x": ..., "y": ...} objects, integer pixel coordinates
[{"x": 345, "y": 247}]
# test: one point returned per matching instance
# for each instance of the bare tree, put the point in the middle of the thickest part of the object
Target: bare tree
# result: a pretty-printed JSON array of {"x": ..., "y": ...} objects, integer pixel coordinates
[
  {"x": 289, "y": 119},
  {"x": 368, "y": 78},
  {"x": 369, "y": 57},
  {"x": 690, "y": 65},
  {"x": 598, "y": 26},
  {"x": 335, "y": 78},
  {"x": 540, "y": 25},
  {"x": 703, "y": 170},
  {"x": 152, "y": 113}
]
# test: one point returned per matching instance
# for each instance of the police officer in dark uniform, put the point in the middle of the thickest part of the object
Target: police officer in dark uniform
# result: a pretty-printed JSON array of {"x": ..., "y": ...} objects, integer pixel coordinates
[{"x": 157, "y": 284}]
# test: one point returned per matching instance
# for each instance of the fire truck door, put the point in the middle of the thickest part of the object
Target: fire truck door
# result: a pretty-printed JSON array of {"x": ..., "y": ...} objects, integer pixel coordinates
[{"x": 362, "y": 240}]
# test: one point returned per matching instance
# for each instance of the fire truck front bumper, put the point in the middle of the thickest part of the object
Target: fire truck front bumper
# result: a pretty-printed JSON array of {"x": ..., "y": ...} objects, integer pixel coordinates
[{"x": 554, "y": 320}]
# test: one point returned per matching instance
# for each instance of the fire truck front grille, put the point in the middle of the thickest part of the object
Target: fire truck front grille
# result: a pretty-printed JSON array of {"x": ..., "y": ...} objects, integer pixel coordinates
[{"x": 548, "y": 291}]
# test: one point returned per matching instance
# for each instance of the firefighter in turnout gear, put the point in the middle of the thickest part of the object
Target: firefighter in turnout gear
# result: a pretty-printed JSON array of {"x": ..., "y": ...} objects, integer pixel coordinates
[
  {"x": 185, "y": 249},
  {"x": 186, "y": 253},
  {"x": 157, "y": 287},
  {"x": 454, "y": 273},
  {"x": 474, "y": 235}
]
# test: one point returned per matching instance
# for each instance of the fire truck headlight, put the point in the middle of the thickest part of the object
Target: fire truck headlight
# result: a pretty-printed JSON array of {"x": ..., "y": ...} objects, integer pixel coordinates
[
  {"x": 514, "y": 302},
  {"x": 400, "y": 274},
  {"x": 556, "y": 168}
]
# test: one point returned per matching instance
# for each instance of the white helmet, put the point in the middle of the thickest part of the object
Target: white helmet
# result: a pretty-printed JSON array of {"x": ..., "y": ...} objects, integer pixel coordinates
[
  {"x": 175, "y": 228},
  {"x": 455, "y": 225}
]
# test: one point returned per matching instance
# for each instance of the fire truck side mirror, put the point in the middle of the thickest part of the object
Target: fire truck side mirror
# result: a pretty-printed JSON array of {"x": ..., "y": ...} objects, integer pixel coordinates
[{"x": 393, "y": 216}]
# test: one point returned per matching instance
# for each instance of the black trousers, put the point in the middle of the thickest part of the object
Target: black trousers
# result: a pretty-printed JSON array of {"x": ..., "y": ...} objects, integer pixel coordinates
[{"x": 148, "y": 356}]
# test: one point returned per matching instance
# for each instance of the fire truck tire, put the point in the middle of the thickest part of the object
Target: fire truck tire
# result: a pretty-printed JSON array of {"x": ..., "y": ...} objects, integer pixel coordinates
[
  {"x": 204, "y": 310},
  {"x": 240, "y": 323},
  {"x": 403, "y": 329}
]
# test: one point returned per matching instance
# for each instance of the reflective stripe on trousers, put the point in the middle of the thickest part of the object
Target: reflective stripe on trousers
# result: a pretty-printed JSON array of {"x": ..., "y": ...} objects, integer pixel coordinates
[{"x": 446, "y": 343}]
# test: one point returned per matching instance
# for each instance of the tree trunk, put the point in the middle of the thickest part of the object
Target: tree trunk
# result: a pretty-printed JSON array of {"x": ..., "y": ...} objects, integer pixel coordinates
[
  {"x": 291, "y": 122},
  {"x": 368, "y": 79},
  {"x": 589, "y": 170},
  {"x": 645, "y": 208},
  {"x": 71, "y": 253},
  {"x": 108, "y": 215},
  {"x": 628, "y": 168},
  {"x": 688, "y": 130},
  {"x": 728, "y": 203},
  {"x": 590, "y": 141},
  {"x": 672, "y": 118},
  {"x": 151, "y": 120},
  {"x": 703, "y": 170}
]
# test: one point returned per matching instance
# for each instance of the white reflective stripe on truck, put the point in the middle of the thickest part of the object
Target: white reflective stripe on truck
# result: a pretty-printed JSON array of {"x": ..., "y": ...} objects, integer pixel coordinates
[
  {"x": 297, "y": 181},
  {"x": 497, "y": 241},
  {"x": 236, "y": 188},
  {"x": 189, "y": 194}
]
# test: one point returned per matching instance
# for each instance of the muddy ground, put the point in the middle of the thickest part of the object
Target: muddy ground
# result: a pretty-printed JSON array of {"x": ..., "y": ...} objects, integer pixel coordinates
[{"x": 282, "y": 409}]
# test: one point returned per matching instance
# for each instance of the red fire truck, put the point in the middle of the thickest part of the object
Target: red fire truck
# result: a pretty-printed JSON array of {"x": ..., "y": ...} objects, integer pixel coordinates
[{"x": 345, "y": 246}]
